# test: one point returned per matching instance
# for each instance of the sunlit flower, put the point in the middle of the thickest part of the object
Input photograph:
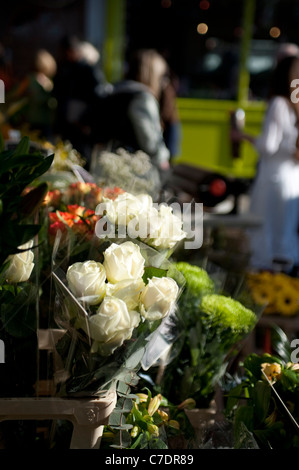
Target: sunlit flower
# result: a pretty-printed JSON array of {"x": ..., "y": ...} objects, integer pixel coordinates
[
  {"x": 142, "y": 397},
  {"x": 154, "y": 404},
  {"x": 187, "y": 404},
  {"x": 153, "y": 429},
  {"x": 174, "y": 424},
  {"x": 20, "y": 264},
  {"x": 271, "y": 370}
]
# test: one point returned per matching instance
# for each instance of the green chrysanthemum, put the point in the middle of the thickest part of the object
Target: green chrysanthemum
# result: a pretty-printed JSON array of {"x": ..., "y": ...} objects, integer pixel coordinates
[
  {"x": 228, "y": 313},
  {"x": 198, "y": 282}
]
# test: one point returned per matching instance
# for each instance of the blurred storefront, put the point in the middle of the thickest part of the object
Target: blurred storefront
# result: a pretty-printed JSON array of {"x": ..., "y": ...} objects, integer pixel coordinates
[{"x": 222, "y": 52}]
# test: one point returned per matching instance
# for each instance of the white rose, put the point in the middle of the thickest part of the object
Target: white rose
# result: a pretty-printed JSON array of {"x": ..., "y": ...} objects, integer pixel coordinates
[
  {"x": 21, "y": 264},
  {"x": 87, "y": 281},
  {"x": 158, "y": 298},
  {"x": 112, "y": 325},
  {"x": 129, "y": 291},
  {"x": 125, "y": 207},
  {"x": 123, "y": 262},
  {"x": 165, "y": 228}
]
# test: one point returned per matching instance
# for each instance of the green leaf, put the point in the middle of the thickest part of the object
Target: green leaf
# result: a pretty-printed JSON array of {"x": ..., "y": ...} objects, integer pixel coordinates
[
  {"x": 134, "y": 360},
  {"x": 124, "y": 404},
  {"x": 149, "y": 394},
  {"x": 19, "y": 316},
  {"x": 122, "y": 440},
  {"x": 290, "y": 378},
  {"x": 261, "y": 398},
  {"x": 269, "y": 435},
  {"x": 137, "y": 414},
  {"x": 280, "y": 343},
  {"x": 23, "y": 146},
  {"x": 20, "y": 162},
  {"x": 31, "y": 201},
  {"x": 17, "y": 235},
  {"x": 123, "y": 388},
  {"x": 243, "y": 420},
  {"x": 138, "y": 442},
  {"x": 151, "y": 271},
  {"x": 233, "y": 397},
  {"x": 157, "y": 444},
  {"x": 244, "y": 414}
]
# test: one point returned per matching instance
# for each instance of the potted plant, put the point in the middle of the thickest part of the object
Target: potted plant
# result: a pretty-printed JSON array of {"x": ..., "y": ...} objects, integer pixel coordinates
[{"x": 264, "y": 405}]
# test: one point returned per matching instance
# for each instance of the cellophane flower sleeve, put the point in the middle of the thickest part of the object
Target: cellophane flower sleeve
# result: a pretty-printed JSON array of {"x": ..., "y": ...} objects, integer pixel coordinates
[{"x": 108, "y": 308}]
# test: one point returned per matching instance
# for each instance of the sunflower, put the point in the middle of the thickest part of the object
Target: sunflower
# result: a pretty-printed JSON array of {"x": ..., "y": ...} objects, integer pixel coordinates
[
  {"x": 294, "y": 282},
  {"x": 287, "y": 301},
  {"x": 281, "y": 281},
  {"x": 264, "y": 294},
  {"x": 264, "y": 276}
]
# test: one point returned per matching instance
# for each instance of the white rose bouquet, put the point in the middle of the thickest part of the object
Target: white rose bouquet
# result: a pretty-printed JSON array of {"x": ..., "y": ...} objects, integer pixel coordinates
[
  {"x": 109, "y": 309},
  {"x": 138, "y": 217}
]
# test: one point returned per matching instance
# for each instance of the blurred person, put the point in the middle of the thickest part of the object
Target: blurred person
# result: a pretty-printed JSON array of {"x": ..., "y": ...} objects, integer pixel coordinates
[
  {"x": 274, "y": 195},
  {"x": 77, "y": 77},
  {"x": 37, "y": 87},
  {"x": 129, "y": 117},
  {"x": 286, "y": 49}
]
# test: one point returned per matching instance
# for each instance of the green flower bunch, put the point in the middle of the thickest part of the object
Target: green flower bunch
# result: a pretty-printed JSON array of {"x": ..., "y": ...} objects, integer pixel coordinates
[
  {"x": 208, "y": 327},
  {"x": 231, "y": 318}
]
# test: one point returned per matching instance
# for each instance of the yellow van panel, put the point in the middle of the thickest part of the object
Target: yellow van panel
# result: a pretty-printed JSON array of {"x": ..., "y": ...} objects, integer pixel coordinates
[{"x": 206, "y": 135}]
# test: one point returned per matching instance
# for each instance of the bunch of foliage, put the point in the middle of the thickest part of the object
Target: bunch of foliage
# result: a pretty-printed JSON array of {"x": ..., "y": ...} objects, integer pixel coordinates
[
  {"x": 144, "y": 421},
  {"x": 19, "y": 225},
  {"x": 264, "y": 405},
  {"x": 208, "y": 327},
  {"x": 18, "y": 169}
]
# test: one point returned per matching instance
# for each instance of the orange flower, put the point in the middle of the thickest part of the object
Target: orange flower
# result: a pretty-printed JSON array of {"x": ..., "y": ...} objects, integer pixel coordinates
[
  {"x": 112, "y": 193},
  {"x": 53, "y": 198}
]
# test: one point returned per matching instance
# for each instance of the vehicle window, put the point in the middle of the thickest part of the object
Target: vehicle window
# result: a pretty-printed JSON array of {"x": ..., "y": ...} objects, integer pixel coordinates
[{"x": 202, "y": 40}]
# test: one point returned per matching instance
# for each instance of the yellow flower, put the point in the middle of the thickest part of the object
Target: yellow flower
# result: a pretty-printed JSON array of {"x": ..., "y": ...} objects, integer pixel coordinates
[
  {"x": 287, "y": 301},
  {"x": 174, "y": 424},
  {"x": 154, "y": 404},
  {"x": 163, "y": 415},
  {"x": 294, "y": 282},
  {"x": 188, "y": 404},
  {"x": 153, "y": 429},
  {"x": 148, "y": 418},
  {"x": 272, "y": 371},
  {"x": 263, "y": 294},
  {"x": 135, "y": 431},
  {"x": 142, "y": 397},
  {"x": 293, "y": 366}
]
